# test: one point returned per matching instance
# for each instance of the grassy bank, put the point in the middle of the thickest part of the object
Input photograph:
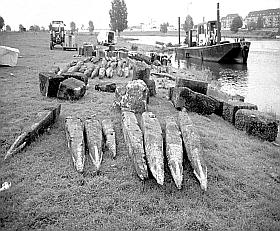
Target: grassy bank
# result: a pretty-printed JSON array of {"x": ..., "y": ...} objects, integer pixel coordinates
[{"x": 47, "y": 194}]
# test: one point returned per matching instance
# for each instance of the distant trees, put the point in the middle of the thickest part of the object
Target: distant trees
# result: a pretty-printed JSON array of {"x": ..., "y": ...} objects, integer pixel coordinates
[
  {"x": 118, "y": 16},
  {"x": 8, "y": 28},
  {"x": 34, "y": 28},
  {"x": 163, "y": 27},
  {"x": 21, "y": 28},
  {"x": 72, "y": 27},
  {"x": 252, "y": 25},
  {"x": 2, "y": 23},
  {"x": 90, "y": 27},
  {"x": 236, "y": 24},
  {"x": 188, "y": 23}
]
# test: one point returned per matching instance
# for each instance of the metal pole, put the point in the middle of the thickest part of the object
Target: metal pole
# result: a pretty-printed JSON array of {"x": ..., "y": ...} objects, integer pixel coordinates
[
  {"x": 218, "y": 25},
  {"x": 179, "y": 29}
]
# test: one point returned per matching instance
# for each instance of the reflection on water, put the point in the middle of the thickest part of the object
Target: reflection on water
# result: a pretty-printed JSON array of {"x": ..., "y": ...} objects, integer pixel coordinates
[
  {"x": 231, "y": 78},
  {"x": 258, "y": 81}
]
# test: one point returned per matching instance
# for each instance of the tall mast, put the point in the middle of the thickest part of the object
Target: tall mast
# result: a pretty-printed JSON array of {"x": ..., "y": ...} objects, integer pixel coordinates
[{"x": 218, "y": 25}]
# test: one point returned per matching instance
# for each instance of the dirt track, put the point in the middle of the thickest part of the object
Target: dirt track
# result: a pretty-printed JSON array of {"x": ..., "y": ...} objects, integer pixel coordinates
[{"x": 47, "y": 193}]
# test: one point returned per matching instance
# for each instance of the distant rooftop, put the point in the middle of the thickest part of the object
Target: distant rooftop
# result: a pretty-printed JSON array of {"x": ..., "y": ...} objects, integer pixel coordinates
[{"x": 264, "y": 12}]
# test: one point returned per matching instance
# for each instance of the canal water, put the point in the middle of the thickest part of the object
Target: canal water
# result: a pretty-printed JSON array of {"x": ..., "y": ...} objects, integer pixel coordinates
[{"x": 258, "y": 81}]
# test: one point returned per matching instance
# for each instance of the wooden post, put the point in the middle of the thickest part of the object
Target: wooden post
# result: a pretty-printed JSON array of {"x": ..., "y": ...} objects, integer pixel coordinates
[{"x": 179, "y": 29}]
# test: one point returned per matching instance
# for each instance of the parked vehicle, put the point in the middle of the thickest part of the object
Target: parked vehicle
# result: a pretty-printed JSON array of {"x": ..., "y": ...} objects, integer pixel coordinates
[{"x": 106, "y": 37}]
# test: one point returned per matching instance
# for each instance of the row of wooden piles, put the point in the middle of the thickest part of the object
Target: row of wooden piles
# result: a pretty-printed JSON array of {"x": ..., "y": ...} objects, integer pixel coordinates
[{"x": 150, "y": 148}]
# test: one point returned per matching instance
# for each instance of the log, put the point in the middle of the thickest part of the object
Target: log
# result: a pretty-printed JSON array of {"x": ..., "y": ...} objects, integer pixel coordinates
[
  {"x": 74, "y": 130},
  {"x": 94, "y": 140},
  {"x": 230, "y": 108},
  {"x": 43, "y": 120},
  {"x": 71, "y": 89},
  {"x": 49, "y": 83},
  {"x": 193, "y": 148},
  {"x": 257, "y": 123},
  {"x": 153, "y": 145},
  {"x": 108, "y": 131},
  {"x": 134, "y": 139},
  {"x": 174, "y": 151}
]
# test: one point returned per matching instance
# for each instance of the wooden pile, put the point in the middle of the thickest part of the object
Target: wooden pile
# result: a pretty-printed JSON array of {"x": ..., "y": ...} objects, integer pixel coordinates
[
  {"x": 146, "y": 145},
  {"x": 82, "y": 135}
]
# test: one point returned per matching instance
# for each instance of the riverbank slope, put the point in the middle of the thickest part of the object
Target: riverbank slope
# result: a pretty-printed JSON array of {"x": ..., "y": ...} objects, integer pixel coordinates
[{"x": 47, "y": 193}]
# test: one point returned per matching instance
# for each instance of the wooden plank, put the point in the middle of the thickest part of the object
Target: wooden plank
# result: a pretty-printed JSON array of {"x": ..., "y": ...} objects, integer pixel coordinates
[
  {"x": 42, "y": 121},
  {"x": 134, "y": 139},
  {"x": 110, "y": 137},
  {"x": 194, "y": 148},
  {"x": 74, "y": 130},
  {"x": 94, "y": 140},
  {"x": 174, "y": 151},
  {"x": 153, "y": 143}
]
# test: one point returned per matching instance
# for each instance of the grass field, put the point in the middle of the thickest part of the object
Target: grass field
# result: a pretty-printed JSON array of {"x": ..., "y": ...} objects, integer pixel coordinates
[{"x": 48, "y": 194}]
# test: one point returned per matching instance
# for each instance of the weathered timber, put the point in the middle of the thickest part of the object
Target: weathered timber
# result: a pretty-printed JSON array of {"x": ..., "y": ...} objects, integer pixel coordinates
[
  {"x": 133, "y": 96},
  {"x": 193, "y": 148},
  {"x": 194, "y": 85},
  {"x": 151, "y": 86},
  {"x": 76, "y": 75},
  {"x": 109, "y": 132},
  {"x": 134, "y": 139},
  {"x": 257, "y": 123},
  {"x": 74, "y": 129},
  {"x": 94, "y": 141},
  {"x": 193, "y": 101},
  {"x": 49, "y": 83},
  {"x": 174, "y": 151},
  {"x": 153, "y": 143},
  {"x": 71, "y": 89},
  {"x": 106, "y": 86},
  {"x": 230, "y": 107},
  {"x": 42, "y": 121}
]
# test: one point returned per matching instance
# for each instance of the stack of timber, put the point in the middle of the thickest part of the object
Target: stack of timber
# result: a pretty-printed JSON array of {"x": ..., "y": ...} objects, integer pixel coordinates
[
  {"x": 43, "y": 120},
  {"x": 153, "y": 145},
  {"x": 94, "y": 141},
  {"x": 193, "y": 148},
  {"x": 134, "y": 139}
]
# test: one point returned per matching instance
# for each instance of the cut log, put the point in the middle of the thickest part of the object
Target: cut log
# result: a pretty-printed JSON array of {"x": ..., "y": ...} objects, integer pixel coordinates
[
  {"x": 109, "y": 132},
  {"x": 193, "y": 148},
  {"x": 43, "y": 120},
  {"x": 94, "y": 140},
  {"x": 134, "y": 139},
  {"x": 174, "y": 151},
  {"x": 106, "y": 86},
  {"x": 257, "y": 123},
  {"x": 71, "y": 89},
  {"x": 49, "y": 83},
  {"x": 76, "y": 75},
  {"x": 194, "y": 85},
  {"x": 74, "y": 130},
  {"x": 231, "y": 107},
  {"x": 153, "y": 143}
]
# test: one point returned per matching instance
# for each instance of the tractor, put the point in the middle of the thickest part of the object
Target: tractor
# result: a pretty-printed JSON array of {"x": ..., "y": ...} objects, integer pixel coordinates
[{"x": 58, "y": 36}]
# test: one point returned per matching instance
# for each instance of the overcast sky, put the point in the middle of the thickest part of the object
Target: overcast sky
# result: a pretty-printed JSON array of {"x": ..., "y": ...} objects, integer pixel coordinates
[{"x": 42, "y": 12}]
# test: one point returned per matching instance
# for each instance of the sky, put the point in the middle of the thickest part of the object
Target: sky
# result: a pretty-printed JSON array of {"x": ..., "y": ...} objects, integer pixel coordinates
[{"x": 42, "y": 12}]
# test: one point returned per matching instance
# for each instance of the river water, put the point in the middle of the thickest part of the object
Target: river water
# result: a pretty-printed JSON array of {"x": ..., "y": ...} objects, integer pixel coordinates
[{"x": 258, "y": 81}]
